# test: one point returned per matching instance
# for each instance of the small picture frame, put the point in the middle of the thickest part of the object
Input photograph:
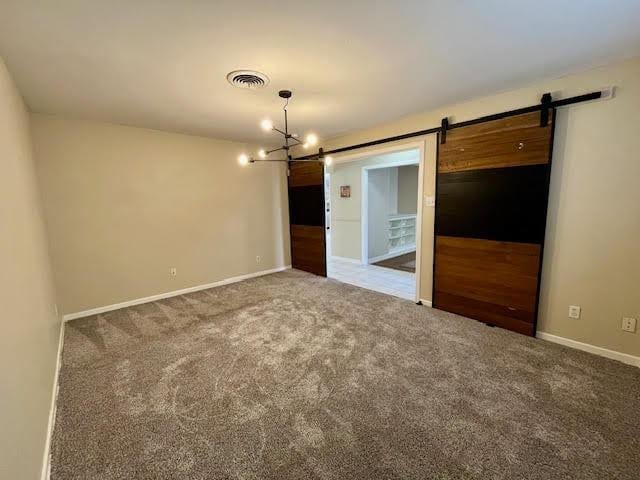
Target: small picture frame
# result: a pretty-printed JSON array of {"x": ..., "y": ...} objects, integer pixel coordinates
[{"x": 345, "y": 191}]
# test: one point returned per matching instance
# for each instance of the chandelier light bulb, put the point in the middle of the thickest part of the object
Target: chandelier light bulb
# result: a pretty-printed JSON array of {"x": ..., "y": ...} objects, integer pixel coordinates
[
  {"x": 311, "y": 139},
  {"x": 291, "y": 140},
  {"x": 328, "y": 161},
  {"x": 266, "y": 124}
]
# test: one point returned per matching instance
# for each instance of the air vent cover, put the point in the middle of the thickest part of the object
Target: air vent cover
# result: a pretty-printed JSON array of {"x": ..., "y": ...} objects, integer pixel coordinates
[{"x": 247, "y": 79}]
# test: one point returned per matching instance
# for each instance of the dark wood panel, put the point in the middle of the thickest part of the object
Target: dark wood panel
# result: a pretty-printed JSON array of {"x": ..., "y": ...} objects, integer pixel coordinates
[
  {"x": 307, "y": 217},
  {"x": 304, "y": 203},
  {"x": 303, "y": 174},
  {"x": 508, "y": 142},
  {"x": 495, "y": 282},
  {"x": 308, "y": 249},
  {"x": 488, "y": 313},
  {"x": 506, "y": 204}
]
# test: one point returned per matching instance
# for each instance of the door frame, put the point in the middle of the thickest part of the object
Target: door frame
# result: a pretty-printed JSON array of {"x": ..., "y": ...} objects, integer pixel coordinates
[
  {"x": 327, "y": 214},
  {"x": 364, "y": 203},
  {"x": 364, "y": 214}
]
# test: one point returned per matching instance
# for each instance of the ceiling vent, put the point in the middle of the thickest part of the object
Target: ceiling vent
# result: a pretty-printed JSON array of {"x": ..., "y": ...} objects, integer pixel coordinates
[{"x": 247, "y": 79}]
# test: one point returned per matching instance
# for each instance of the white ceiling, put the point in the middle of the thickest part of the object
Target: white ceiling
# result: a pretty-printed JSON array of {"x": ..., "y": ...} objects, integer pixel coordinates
[{"x": 351, "y": 64}]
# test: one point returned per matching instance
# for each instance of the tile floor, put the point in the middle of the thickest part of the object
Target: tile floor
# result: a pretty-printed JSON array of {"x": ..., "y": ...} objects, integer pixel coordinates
[{"x": 372, "y": 277}]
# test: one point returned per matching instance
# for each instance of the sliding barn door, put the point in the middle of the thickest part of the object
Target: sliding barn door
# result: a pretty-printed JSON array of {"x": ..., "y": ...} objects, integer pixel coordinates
[
  {"x": 306, "y": 216},
  {"x": 491, "y": 207}
]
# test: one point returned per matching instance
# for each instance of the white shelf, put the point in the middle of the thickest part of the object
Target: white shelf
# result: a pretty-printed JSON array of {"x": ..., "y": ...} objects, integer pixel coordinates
[
  {"x": 403, "y": 216},
  {"x": 402, "y": 232}
]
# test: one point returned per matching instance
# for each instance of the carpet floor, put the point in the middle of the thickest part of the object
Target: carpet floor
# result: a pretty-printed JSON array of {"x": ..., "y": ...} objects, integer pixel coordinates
[{"x": 292, "y": 376}]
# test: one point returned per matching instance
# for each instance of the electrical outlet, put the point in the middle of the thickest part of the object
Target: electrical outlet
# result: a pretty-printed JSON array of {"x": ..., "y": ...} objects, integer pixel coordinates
[
  {"x": 574, "y": 311},
  {"x": 258, "y": 259},
  {"x": 173, "y": 271},
  {"x": 629, "y": 324}
]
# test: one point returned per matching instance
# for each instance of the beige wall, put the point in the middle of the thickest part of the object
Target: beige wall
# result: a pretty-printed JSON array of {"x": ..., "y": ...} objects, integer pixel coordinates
[
  {"x": 346, "y": 233},
  {"x": 30, "y": 327},
  {"x": 382, "y": 192},
  {"x": 592, "y": 251},
  {"x": 408, "y": 189},
  {"x": 124, "y": 205}
]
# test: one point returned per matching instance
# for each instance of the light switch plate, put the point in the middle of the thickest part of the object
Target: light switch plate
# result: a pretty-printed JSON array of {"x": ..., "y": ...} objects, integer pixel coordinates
[
  {"x": 629, "y": 324},
  {"x": 429, "y": 201},
  {"x": 574, "y": 311}
]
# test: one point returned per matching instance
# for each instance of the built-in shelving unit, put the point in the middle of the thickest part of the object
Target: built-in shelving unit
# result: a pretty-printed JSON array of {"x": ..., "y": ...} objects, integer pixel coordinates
[{"x": 402, "y": 233}]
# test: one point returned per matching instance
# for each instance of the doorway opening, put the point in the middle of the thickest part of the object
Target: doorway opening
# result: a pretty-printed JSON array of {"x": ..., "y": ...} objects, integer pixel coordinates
[{"x": 373, "y": 220}]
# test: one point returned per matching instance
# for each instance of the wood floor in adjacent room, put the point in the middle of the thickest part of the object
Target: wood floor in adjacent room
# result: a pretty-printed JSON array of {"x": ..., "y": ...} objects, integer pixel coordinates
[
  {"x": 405, "y": 263},
  {"x": 292, "y": 376}
]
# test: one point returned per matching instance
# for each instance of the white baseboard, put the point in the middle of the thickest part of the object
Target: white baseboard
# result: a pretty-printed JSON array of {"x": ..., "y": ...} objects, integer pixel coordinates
[
  {"x": 175, "y": 293},
  {"x": 426, "y": 302},
  {"x": 347, "y": 259},
  {"x": 389, "y": 255},
  {"x": 46, "y": 461},
  {"x": 603, "y": 352}
]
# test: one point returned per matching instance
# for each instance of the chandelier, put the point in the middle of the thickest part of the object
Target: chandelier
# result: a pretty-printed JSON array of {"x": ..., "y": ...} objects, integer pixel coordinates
[{"x": 290, "y": 140}]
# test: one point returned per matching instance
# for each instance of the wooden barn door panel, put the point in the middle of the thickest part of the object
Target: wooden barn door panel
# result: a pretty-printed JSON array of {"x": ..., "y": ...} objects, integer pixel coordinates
[
  {"x": 510, "y": 142},
  {"x": 306, "y": 217},
  {"x": 491, "y": 205},
  {"x": 495, "y": 282}
]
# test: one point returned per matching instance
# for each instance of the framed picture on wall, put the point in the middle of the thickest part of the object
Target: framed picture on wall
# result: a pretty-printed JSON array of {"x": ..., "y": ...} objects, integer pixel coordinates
[{"x": 345, "y": 191}]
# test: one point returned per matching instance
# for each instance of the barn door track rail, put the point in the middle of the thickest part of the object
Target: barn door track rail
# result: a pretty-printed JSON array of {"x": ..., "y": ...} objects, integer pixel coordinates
[{"x": 546, "y": 103}]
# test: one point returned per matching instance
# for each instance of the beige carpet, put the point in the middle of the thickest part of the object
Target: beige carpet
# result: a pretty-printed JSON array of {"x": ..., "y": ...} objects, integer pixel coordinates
[{"x": 292, "y": 376}]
